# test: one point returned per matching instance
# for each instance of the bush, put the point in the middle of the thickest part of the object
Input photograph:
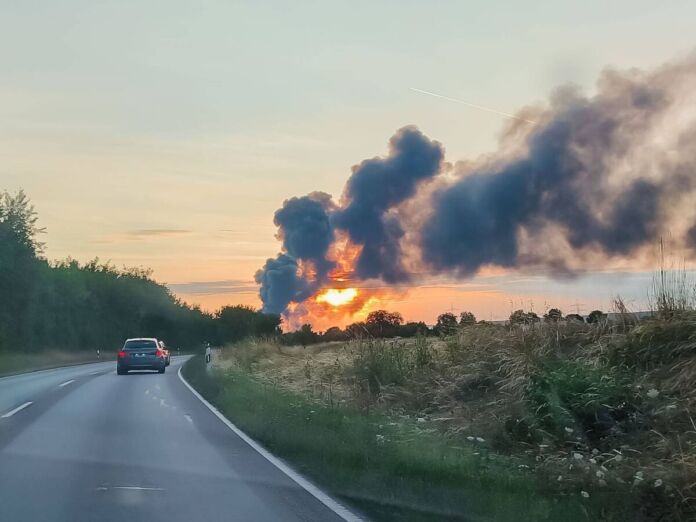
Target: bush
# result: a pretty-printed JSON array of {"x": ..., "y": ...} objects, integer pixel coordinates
[
  {"x": 571, "y": 394},
  {"x": 657, "y": 342}
]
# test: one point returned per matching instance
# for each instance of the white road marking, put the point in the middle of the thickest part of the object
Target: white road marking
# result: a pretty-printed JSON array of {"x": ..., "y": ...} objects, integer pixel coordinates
[
  {"x": 96, "y": 373},
  {"x": 188, "y": 418},
  {"x": 137, "y": 488},
  {"x": 66, "y": 383},
  {"x": 131, "y": 488},
  {"x": 18, "y": 408},
  {"x": 335, "y": 506}
]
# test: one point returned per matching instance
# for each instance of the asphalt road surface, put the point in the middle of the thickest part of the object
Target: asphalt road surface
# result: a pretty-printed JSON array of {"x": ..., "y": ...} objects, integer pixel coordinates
[{"x": 82, "y": 443}]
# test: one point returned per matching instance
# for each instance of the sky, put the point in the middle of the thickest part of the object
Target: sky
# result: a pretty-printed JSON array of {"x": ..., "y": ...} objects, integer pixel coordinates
[{"x": 166, "y": 133}]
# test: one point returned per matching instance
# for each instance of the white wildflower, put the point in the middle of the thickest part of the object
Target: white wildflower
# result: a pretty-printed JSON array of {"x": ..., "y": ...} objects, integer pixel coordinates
[
  {"x": 568, "y": 430},
  {"x": 470, "y": 438},
  {"x": 600, "y": 474},
  {"x": 380, "y": 439},
  {"x": 560, "y": 478},
  {"x": 420, "y": 419},
  {"x": 639, "y": 475},
  {"x": 595, "y": 451},
  {"x": 653, "y": 393},
  {"x": 585, "y": 494},
  {"x": 657, "y": 483},
  {"x": 593, "y": 461},
  {"x": 577, "y": 456},
  {"x": 602, "y": 482},
  {"x": 480, "y": 439},
  {"x": 618, "y": 458}
]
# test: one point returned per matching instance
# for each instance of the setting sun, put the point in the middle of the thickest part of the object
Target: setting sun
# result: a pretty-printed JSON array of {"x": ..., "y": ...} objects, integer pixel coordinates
[{"x": 337, "y": 296}]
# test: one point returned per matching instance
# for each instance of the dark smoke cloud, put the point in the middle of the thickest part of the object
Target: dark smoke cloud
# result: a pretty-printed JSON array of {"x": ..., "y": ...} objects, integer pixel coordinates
[
  {"x": 691, "y": 237},
  {"x": 596, "y": 178},
  {"x": 560, "y": 181},
  {"x": 304, "y": 227},
  {"x": 378, "y": 185},
  {"x": 281, "y": 284}
]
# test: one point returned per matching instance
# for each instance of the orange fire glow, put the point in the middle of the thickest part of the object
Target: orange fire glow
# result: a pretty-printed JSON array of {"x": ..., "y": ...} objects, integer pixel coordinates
[
  {"x": 337, "y": 296},
  {"x": 338, "y": 303}
]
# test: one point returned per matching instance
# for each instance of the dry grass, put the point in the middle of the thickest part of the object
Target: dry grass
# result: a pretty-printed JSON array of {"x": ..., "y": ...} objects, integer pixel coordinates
[{"x": 593, "y": 408}]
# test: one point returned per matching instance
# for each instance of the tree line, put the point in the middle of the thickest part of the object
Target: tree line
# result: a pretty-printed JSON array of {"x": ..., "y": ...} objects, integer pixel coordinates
[
  {"x": 382, "y": 323},
  {"x": 67, "y": 305}
]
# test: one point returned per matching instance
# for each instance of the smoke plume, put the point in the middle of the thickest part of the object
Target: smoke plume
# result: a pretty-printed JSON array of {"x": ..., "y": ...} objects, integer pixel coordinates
[
  {"x": 376, "y": 187},
  {"x": 595, "y": 178}
]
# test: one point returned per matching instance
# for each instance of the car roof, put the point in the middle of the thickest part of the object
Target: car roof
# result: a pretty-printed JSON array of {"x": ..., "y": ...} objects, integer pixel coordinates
[{"x": 142, "y": 339}]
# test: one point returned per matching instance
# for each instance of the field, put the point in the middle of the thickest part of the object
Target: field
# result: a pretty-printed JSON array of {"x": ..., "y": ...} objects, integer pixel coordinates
[{"x": 592, "y": 421}]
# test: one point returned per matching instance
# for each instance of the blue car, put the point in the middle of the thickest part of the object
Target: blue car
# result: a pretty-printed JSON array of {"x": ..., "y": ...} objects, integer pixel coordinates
[{"x": 141, "y": 354}]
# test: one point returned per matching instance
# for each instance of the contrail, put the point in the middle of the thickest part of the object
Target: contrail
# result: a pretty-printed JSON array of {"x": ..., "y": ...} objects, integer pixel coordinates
[{"x": 507, "y": 115}]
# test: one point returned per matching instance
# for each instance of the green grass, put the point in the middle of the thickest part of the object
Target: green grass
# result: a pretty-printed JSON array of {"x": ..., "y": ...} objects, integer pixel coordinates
[
  {"x": 387, "y": 467},
  {"x": 11, "y": 363}
]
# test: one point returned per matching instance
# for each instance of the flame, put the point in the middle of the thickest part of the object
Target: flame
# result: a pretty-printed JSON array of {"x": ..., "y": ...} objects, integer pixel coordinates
[
  {"x": 337, "y": 296},
  {"x": 337, "y": 303}
]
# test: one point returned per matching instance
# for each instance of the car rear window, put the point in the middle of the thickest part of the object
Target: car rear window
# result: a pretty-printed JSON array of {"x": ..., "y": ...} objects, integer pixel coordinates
[{"x": 139, "y": 345}]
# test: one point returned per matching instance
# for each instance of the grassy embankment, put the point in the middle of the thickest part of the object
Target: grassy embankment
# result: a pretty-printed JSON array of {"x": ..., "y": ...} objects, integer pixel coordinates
[
  {"x": 550, "y": 422},
  {"x": 11, "y": 363}
]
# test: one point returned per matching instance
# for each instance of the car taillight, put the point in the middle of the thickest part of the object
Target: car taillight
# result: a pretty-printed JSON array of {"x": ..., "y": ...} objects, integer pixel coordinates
[
  {"x": 122, "y": 354},
  {"x": 159, "y": 353}
]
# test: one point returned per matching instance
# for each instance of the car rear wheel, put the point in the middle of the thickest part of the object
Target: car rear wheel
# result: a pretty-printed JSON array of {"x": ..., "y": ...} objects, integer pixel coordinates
[
  {"x": 161, "y": 370},
  {"x": 121, "y": 372}
]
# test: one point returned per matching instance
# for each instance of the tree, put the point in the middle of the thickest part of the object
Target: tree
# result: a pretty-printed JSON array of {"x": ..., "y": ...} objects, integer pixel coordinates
[
  {"x": 234, "y": 323},
  {"x": 334, "y": 334},
  {"x": 381, "y": 323},
  {"x": 446, "y": 323},
  {"x": 305, "y": 335},
  {"x": 357, "y": 330},
  {"x": 384, "y": 318},
  {"x": 19, "y": 218},
  {"x": 411, "y": 329},
  {"x": 522, "y": 317},
  {"x": 553, "y": 315},
  {"x": 18, "y": 267},
  {"x": 467, "y": 319},
  {"x": 596, "y": 316},
  {"x": 575, "y": 317},
  {"x": 518, "y": 317}
]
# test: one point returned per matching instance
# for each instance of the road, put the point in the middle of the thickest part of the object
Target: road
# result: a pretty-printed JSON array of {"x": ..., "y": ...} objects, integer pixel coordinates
[{"x": 81, "y": 443}]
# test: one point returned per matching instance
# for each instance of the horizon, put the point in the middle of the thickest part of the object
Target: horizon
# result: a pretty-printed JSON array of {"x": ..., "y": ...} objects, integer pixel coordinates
[{"x": 171, "y": 147}]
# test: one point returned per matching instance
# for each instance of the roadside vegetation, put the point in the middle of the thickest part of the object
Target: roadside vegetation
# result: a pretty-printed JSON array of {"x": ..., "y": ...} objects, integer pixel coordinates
[
  {"x": 553, "y": 419},
  {"x": 19, "y": 362},
  {"x": 54, "y": 308}
]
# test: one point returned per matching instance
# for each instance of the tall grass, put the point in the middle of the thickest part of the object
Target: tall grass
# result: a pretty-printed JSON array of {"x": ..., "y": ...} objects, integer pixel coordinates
[
  {"x": 388, "y": 467},
  {"x": 596, "y": 411},
  {"x": 673, "y": 289}
]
